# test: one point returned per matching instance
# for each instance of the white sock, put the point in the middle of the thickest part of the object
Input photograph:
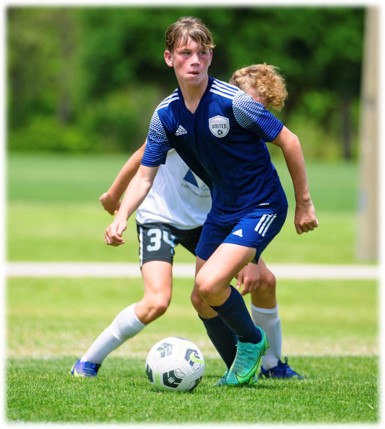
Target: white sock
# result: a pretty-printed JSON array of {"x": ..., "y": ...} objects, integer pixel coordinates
[
  {"x": 268, "y": 319},
  {"x": 125, "y": 325}
]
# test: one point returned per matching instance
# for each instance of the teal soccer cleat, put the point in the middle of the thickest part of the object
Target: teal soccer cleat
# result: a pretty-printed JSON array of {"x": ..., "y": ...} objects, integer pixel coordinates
[
  {"x": 85, "y": 369},
  {"x": 246, "y": 361},
  {"x": 223, "y": 380}
]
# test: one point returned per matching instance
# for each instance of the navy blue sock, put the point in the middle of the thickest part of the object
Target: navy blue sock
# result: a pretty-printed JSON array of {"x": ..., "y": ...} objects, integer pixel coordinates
[
  {"x": 222, "y": 337},
  {"x": 237, "y": 317}
]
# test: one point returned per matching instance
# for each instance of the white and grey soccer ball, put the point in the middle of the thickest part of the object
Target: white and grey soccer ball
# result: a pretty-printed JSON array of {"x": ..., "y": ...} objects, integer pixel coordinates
[{"x": 175, "y": 364}]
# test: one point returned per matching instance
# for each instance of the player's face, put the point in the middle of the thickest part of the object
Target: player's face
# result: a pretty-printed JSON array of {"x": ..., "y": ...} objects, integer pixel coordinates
[{"x": 190, "y": 62}]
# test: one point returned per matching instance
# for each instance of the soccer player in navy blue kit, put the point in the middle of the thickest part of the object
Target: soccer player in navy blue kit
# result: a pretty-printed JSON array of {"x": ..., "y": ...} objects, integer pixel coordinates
[{"x": 220, "y": 132}]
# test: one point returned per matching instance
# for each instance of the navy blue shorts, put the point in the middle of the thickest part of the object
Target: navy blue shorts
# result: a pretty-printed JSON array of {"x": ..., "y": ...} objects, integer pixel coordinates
[{"x": 255, "y": 230}]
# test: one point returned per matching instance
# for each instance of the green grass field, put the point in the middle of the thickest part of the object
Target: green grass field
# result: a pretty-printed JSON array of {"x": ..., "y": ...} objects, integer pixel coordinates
[
  {"x": 331, "y": 328},
  {"x": 54, "y": 213}
]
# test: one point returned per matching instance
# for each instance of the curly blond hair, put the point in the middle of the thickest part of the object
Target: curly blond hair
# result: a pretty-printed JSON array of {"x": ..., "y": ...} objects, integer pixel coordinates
[{"x": 265, "y": 80}]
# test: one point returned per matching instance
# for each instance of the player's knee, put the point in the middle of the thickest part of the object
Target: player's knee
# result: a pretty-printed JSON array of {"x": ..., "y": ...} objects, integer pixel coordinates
[
  {"x": 269, "y": 279},
  {"x": 197, "y": 301},
  {"x": 161, "y": 307},
  {"x": 157, "y": 307},
  {"x": 267, "y": 282},
  {"x": 203, "y": 288}
]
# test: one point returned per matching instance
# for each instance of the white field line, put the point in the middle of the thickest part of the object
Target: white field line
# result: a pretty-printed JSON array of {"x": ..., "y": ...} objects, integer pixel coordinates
[{"x": 102, "y": 269}]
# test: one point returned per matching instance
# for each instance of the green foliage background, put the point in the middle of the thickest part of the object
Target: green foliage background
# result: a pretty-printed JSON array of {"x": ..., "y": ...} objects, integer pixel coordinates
[{"x": 87, "y": 79}]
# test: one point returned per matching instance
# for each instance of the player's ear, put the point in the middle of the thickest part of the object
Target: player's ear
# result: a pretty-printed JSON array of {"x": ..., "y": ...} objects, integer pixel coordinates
[
  {"x": 211, "y": 56},
  {"x": 168, "y": 58}
]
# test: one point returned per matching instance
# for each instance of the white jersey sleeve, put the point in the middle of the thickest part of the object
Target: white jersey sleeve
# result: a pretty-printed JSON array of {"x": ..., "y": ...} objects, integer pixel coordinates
[{"x": 177, "y": 197}]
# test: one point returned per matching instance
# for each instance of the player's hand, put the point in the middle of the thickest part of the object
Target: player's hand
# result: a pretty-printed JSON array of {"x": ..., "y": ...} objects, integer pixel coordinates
[
  {"x": 248, "y": 279},
  {"x": 305, "y": 219},
  {"x": 113, "y": 234},
  {"x": 109, "y": 203}
]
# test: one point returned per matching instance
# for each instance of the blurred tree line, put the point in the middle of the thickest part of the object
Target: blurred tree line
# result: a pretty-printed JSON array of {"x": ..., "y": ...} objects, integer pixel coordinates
[{"x": 87, "y": 79}]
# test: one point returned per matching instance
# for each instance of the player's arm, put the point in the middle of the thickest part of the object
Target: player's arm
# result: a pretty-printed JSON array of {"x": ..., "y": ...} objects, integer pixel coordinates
[
  {"x": 110, "y": 200},
  {"x": 136, "y": 192},
  {"x": 305, "y": 219}
]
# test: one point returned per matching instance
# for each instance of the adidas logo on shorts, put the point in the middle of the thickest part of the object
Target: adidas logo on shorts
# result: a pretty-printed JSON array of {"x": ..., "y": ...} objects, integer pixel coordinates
[{"x": 238, "y": 232}]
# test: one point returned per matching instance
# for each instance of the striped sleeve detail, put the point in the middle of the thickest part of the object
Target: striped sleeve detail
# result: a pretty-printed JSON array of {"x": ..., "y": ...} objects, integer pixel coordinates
[
  {"x": 255, "y": 117},
  {"x": 157, "y": 140},
  {"x": 157, "y": 143},
  {"x": 174, "y": 96},
  {"x": 223, "y": 89}
]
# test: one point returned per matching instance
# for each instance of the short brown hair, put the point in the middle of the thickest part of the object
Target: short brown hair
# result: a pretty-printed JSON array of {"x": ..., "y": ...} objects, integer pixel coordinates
[
  {"x": 188, "y": 27},
  {"x": 266, "y": 80}
]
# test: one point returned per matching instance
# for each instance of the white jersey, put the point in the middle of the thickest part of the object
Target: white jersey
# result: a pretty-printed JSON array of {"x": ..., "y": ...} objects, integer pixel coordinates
[{"x": 177, "y": 197}]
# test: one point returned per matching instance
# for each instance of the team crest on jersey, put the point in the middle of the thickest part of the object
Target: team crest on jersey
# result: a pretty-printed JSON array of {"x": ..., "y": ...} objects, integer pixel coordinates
[{"x": 219, "y": 126}]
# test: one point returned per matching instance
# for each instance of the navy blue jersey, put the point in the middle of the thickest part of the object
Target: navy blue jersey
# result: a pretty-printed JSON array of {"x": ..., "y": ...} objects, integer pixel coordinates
[{"x": 223, "y": 142}]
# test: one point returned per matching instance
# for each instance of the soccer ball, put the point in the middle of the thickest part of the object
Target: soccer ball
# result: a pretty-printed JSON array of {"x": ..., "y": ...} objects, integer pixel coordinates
[{"x": 175, "y": 364}]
